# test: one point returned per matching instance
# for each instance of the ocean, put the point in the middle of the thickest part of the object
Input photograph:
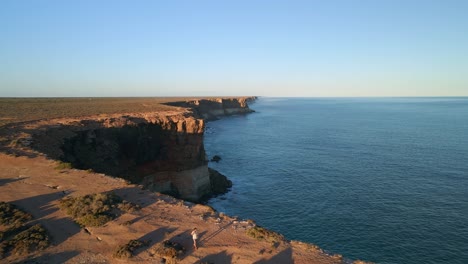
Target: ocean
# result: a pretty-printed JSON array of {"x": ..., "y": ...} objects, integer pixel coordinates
[{"x": 377, "y": 179}]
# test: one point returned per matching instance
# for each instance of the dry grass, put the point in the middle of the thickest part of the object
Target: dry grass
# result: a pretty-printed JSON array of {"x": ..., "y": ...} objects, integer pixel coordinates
[{"x": 96, "y": 209}]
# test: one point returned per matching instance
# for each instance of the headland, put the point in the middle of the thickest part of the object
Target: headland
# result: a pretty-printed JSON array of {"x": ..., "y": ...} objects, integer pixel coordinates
[{"x": 146, "y": 151}]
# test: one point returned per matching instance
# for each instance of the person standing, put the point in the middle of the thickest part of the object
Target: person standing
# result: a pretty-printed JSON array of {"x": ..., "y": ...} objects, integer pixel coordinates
[{"x": 195, "y": 237}]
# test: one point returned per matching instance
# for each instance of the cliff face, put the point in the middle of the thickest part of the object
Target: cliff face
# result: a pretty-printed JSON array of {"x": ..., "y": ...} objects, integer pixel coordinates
[
  {"x": 165, "y": 153},
  {"x": 162, "y": 151}
]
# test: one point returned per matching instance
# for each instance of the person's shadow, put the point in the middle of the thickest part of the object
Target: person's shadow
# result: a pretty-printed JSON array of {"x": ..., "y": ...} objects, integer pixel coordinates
[
  {"x": 210, "y": 236},
  {"x": 200, "y": 238}
]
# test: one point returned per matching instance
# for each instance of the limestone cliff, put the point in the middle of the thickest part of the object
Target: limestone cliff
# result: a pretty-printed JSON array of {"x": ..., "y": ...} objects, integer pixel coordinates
[{"x": 163, "y": 151}]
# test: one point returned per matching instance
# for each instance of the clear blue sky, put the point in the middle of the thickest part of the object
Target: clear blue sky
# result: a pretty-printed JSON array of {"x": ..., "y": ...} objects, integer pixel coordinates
[{"x": 269, "y": 48}]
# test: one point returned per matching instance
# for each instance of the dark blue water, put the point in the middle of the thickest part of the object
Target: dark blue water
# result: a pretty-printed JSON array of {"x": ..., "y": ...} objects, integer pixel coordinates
[{"x": 383, "y": 180}]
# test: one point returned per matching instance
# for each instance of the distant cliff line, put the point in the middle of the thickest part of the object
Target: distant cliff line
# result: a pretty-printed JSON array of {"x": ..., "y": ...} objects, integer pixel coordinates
[{"x": 215, "y": 108}]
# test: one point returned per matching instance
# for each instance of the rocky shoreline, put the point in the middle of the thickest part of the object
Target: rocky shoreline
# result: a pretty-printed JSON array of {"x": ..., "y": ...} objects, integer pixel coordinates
[{"x": 153, "y": 152}]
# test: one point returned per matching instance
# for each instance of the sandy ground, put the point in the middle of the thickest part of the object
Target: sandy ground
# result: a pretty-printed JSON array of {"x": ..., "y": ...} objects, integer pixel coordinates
[{"x": 36, "y": 186}]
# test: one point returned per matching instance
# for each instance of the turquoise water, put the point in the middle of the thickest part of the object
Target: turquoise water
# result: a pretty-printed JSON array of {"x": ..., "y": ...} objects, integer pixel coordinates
[{"x": 383, "y": 180}]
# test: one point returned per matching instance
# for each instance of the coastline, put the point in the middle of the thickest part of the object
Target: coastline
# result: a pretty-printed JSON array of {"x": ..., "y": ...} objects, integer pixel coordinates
[{"x": 37, "y": 171}]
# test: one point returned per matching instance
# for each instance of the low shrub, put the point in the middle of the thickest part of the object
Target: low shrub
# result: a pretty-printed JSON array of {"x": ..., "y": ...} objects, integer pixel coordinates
[
  {"x": 16, "y": 236},
  {"x": 261, "y": 233},
  {"x": 10, "y": 215},
  {"x": 128, "y": 206},
  {"x": 96, "y": 209},
  {"x": 30, "y": 240},
  {"x": 63, "y": 166},
  {"x": 169, "y": 250},
  {"x": 126, "y": 251},
  {"x": 94, "y": 220}
]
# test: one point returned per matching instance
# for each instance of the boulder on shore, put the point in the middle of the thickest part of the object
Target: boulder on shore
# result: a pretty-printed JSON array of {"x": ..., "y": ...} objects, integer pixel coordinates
[
  {"x": 220, "y": 184},
  {"x": 216, "y": 158}
]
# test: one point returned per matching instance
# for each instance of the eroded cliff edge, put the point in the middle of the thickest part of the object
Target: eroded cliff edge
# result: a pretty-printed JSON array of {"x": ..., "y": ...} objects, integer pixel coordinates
[{"x": 163, "y": 151}]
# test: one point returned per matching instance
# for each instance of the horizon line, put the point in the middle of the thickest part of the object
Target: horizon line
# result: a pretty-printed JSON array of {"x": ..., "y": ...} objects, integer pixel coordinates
[{"x": 234, "y": 96}]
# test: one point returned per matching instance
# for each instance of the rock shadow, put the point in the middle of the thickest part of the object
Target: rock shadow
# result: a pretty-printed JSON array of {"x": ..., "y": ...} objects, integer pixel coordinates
[
  {"x": 137, "y": 219},
  {"x": 40, "y": 207},
  {"x": 157, "y": 235},
  {"x": 60, "y": 229},
  {"x": 136, "y": 195},
  {"x": 10, "y": 180},
  {"x": 283, "y": 257},
  {"x": 221, "y": 257},
  {"x": 154, "y": 237},
  {"x": 185, "y": 239},
  {"x": 17, "y": 152},
  {"x": 47, "y": 258}
]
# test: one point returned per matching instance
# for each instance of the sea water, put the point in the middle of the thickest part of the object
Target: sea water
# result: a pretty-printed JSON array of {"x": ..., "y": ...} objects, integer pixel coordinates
[{"x": 378, "y": 179}]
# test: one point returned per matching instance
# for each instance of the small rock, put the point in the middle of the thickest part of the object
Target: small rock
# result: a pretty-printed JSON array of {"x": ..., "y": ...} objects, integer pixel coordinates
[{"x": 216, "y": 158}]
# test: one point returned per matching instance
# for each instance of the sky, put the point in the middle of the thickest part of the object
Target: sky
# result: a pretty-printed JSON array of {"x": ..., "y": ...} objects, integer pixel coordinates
[{"x": 233, "y": 47}]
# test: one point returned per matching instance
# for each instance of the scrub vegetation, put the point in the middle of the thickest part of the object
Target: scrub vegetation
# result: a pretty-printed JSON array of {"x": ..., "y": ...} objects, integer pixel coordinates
[
  {"x": 169, "y": 251},
  {"x": 17, "y": 237},
  {"x": 261, "y": 233},
  {"x": 96, "y": 209},
  {"x": 128, "y": 250}
]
